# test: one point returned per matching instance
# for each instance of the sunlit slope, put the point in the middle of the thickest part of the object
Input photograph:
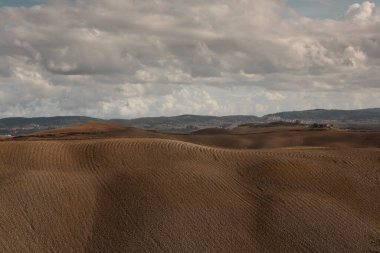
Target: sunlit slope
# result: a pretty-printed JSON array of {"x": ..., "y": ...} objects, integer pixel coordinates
[{"x": 125, "y": 195}]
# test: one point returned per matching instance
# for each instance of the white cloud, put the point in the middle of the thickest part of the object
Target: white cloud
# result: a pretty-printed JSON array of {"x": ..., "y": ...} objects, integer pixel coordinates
[
  {"x": 273, "y": 96},
  {"x": 135, "y": 58},
  {"x": 361, "y": 12}
]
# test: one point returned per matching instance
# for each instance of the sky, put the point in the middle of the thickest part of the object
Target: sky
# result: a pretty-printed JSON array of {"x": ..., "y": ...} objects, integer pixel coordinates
[
  {"x": 323, "y": 9},
  {"x": 137, "y": 58}
]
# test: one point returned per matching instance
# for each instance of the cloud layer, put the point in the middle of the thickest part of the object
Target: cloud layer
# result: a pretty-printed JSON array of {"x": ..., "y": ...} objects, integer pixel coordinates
[{"x": 141, "y": 58}]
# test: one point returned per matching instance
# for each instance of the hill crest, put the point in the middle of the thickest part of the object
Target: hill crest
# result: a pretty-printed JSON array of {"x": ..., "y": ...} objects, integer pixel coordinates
[{"x": 365, "y": 119}]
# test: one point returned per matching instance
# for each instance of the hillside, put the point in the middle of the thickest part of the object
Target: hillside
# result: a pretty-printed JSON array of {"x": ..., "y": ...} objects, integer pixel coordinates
[
  {"x": 248, "y": 136},
  {"x": 158, "y": 195},
  {"x": 17, "y": 126},
  {"x": 187, "y": 122},
  {"x": 321, "y": 115},
  {"x": 367, "y": 119},
  {"x": 92, "y": 129}
]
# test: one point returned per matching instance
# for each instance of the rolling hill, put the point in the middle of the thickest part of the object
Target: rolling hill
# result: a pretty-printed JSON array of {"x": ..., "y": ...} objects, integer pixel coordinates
[
  {"x": 322, "y": 115},
  {"x": 101, "y": 187},
  {"x": 366, "y": 119},
  {"x": 242, "y": 137}
]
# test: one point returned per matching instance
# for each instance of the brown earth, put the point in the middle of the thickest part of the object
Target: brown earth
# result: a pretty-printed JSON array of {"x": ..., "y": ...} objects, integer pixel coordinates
[
  {"x": 91, "y": 189},
  {"x": 237, "y": 138},
  {"x": 3, "y": 137}
]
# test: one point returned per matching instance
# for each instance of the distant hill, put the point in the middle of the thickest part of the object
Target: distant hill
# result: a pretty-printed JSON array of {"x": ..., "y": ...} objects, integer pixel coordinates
[
  {"x": 366, "y": 119},
  {"x": 20, "y": 125},
  {"x": 320, "y": 114},
  {"x": 188, "y": 122}
]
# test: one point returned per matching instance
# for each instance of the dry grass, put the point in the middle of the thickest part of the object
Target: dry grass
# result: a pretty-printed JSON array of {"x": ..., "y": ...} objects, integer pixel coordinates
[{"x": 161, "y": 195}]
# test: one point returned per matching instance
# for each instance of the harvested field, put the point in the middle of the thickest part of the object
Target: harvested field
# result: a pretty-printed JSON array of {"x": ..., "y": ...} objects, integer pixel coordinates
[{"x": 161, "y": 194}]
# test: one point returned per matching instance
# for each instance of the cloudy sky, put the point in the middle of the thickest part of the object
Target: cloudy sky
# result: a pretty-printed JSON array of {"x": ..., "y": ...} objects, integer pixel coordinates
[{"x": 133, "y": 58}]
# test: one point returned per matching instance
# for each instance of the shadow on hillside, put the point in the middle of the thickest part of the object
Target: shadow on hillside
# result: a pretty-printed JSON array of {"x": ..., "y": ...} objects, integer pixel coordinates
[{"x": 119, "y": 218}]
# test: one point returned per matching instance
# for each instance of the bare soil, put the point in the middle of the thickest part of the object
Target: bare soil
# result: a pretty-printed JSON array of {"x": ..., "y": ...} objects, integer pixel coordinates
[{"x": 98, "y": 188}]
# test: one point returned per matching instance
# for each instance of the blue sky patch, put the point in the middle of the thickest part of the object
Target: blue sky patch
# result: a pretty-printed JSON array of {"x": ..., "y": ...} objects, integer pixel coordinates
[
  {"x": 319, "y": 9},
  {"x": 322, "y": 9},
  {"x": 19, "y": 3}
]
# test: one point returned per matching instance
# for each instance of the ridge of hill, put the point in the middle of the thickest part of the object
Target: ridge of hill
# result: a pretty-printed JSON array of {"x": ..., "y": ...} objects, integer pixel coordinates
[
  {"x": 365, "y": 119},
  {"x": 248, "y": 136},
  {"x": 188, "y": 122},
  {"x": 322, "y": 114},
  {"x": 159, "y": 195},
  {"x": 91, "y": 130},
  {"x": 21, "y": 125},
  {"x": 107, "y": 187}
]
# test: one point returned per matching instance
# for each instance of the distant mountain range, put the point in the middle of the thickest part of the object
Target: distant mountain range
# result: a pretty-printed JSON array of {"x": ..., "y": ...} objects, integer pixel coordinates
[
  {"x": 365, "y": 119},
  {"x": 187, "y": 122},
  {"x": 320, "y": 114}
]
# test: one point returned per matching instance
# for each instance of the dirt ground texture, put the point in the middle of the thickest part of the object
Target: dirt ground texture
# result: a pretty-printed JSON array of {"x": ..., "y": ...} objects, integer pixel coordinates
[{"x": 99, "y": 189}]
